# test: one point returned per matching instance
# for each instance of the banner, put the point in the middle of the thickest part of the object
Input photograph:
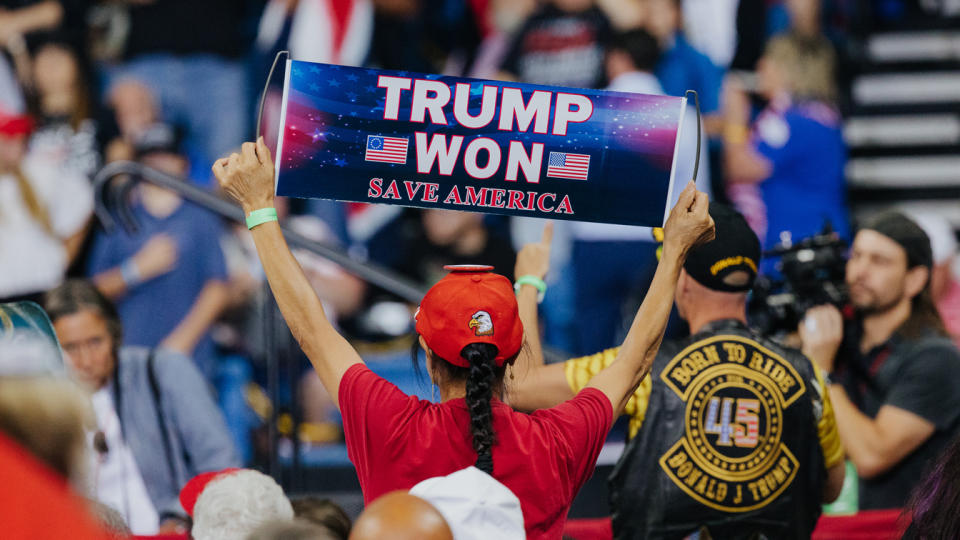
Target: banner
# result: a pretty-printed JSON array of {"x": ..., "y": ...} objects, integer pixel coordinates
[{"x": 435, "y": 141}]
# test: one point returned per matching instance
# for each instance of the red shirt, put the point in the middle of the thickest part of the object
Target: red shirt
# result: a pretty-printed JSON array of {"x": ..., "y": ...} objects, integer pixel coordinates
[{"x": 396, "y": 441}]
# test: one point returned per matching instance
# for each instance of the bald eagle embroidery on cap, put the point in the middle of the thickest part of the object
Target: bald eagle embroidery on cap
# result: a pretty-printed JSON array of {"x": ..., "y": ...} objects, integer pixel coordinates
[{"x": 481, "y": 323}]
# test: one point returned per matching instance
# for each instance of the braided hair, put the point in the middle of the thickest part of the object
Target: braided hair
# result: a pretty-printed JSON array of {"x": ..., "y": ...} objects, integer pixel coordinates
[
  {"x": 480, "y": 381},
  {"x": 483, "y": 378}
]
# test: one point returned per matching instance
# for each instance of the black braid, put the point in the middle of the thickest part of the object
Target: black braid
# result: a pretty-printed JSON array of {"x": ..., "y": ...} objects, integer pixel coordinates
[{"x": 480, "y": 382}]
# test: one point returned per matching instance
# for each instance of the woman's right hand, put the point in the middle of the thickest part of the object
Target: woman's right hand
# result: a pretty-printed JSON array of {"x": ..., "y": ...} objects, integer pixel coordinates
[
  {"x": 248, "y": 176},
  {"x": 689, "y": 223}
]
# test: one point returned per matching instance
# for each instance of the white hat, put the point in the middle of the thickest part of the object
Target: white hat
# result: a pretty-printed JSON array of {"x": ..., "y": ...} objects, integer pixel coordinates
[{"x": 474, "y": 504}]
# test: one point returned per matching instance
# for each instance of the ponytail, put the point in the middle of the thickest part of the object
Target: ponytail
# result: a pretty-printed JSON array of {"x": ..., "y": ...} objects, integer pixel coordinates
[{"x": 480, "y": 382}]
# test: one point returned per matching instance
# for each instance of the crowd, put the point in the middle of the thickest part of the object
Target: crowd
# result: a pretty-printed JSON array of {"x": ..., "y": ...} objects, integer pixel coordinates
[{"x": 162, "y": 326}]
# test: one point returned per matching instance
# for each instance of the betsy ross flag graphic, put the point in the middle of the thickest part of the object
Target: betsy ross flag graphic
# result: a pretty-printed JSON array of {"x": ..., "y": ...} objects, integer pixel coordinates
[
  {"x": 572, "y": 166},
  {"x": 386, "y": 149}
]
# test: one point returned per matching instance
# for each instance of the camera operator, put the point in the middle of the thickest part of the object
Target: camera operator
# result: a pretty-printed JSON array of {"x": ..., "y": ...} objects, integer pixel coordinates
[
  {"x": 730, "y": 433},
  {"x": 894, "y": 371}
]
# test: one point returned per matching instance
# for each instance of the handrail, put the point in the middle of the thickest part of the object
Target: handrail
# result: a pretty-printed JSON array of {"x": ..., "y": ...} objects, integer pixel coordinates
[{"x": 112, "y": 199}]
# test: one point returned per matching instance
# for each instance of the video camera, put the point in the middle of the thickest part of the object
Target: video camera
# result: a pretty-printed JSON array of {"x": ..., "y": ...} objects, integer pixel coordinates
[{"x": 813, "y": 273}]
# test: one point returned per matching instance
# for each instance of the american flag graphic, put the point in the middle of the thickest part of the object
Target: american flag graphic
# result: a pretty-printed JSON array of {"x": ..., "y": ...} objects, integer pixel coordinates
[
  {"x": 572, "y": 166},
  {"x": 386, "y": 149}
]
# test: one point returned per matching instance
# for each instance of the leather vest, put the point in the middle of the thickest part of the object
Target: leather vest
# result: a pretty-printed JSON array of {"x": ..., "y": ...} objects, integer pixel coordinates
[{"x": 729, "y": 442}]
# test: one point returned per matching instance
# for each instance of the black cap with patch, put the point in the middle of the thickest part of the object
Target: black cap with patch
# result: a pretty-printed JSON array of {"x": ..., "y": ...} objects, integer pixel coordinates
[{"x": 729, "y": 262}]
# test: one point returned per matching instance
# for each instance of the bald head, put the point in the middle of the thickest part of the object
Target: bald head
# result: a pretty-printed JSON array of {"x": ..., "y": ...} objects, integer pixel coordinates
[{"x": 400, "y": 516}]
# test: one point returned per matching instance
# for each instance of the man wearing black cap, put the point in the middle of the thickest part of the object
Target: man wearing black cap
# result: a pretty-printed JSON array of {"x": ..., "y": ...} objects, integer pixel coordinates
[
  {"x": 894, "y": 381},
  {"x": 731, "y": 433}
]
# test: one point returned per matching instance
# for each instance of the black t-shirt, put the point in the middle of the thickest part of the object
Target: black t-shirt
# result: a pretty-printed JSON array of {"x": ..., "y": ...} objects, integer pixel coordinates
[
  {"x": 186, "y": 27},
  {"x": 561, "y": 49},
  {"x": 921, "y": 376}
]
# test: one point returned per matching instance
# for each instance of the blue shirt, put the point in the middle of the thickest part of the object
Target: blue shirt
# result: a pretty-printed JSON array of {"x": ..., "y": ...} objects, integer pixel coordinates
[
  {"x": 804, "y": 144},
  {"x": 682, "y": 68},
  {"x": 151, "y": 310}
]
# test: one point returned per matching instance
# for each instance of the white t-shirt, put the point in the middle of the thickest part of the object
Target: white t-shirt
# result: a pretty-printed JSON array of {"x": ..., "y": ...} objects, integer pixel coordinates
[
  {"x": 32, "y": 260},
  {"x": 115, "y": 475}
]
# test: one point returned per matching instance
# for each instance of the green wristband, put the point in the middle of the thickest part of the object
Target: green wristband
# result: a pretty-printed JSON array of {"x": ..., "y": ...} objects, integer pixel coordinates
[
  {"x": 261, "y": 216},
  {"x": 532, "y": 280}
]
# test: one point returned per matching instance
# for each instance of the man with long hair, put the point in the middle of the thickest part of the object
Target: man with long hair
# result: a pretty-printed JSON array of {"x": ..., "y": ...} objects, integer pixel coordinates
[{"x": 894, "y": 370}]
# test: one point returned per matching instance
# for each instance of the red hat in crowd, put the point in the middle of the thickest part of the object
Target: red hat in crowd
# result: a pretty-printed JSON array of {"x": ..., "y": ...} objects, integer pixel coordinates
[
  {"x": 471, "y": 304},
  {"x": 12, "y": 124},
  {"x": 191, "y": 490}
]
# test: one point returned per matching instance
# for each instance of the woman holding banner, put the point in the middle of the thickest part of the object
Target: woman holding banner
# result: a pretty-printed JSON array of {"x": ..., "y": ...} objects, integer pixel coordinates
[{"x": 469, "y": 326}]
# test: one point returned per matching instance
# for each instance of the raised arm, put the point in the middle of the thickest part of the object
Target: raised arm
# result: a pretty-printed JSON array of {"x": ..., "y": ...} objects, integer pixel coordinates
[
  {"x": 248, "y": 178},
  {"x": 689, "y": 224},
  {"x": 537, "y": 385}
]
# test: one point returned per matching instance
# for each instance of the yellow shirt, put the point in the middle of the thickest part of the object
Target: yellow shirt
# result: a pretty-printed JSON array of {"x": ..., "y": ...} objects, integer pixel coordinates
[{"x": 579, "y": 371}]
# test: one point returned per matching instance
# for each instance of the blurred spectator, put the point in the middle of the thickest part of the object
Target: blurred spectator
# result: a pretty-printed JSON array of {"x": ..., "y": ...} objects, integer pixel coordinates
[
  {"x": 506, "y": 17},
  {"x": 109, "y": 519},
  {"x": 453, "y": 237},
  {"x": 401, "y": 516},
  {"x": 474, "y": 505},
  {"x": 188, "y": 53},
  {"x": 327, "y": 31},
  {"x": 711, "y": 27},
  {"x": 157, "y": 425},
  {"x": 894, "y": 371},
  {"x": 230, "y": 504},
  {"x": 135, "y": 110},
  {"x": 681, "y": 67},
  {"x": 44, "y": 212},
  {"x": 35, "y": 502},
  {"x": 168, "y": 279},
  {"x": 66, "y": 133},
  {"x": 943, "y": 284},
  {"x": 629, "y": 253},
  {"x": 561, "y": 44},
  {"x": 47, "y": 416},
  {"x": 794, "y": 194},
  {"x": 297, "y": 529},
  {"x": 324, "y": 514},
  {"x": 932, "y": 507}
]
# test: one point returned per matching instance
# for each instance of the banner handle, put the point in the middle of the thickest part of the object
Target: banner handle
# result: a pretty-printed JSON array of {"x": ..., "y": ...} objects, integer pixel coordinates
[
  {"x": 266, "y": 85},
  {"x": 696, "y": 102}
]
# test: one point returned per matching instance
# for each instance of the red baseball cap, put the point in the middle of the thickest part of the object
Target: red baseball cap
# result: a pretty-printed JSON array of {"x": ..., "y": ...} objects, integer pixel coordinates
[
  {"x": 471, "y": 304},
  {"x": 191, "y": 490}
]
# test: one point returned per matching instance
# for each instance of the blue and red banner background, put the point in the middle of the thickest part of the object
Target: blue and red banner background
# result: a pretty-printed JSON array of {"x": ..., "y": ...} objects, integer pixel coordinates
[{"x": 329, "y": 112}]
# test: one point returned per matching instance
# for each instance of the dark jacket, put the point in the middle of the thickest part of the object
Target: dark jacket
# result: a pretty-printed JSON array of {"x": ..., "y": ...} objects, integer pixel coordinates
[{"x": 729, "y": 442}]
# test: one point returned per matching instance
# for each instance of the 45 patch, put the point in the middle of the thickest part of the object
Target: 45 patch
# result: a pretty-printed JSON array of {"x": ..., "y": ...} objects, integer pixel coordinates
[{"x": 732, "y": 456}]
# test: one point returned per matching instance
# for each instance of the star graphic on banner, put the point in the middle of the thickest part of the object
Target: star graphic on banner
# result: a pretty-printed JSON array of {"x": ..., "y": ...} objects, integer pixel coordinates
[
  {"x": 334, "y": 67},
  {"x": 372, "y": 89},
  {"x": 333, "y": 82},
  {"x": 314, "y": 69},
  {"x": 314, "y": 87},
  {"x": 351, "y": 96},
  {"x": 353, "y": 113},
  {"x": 318, "y": 135},
  {"x": 353, "y": 77},
  {"x": 340, "y": 162}
]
